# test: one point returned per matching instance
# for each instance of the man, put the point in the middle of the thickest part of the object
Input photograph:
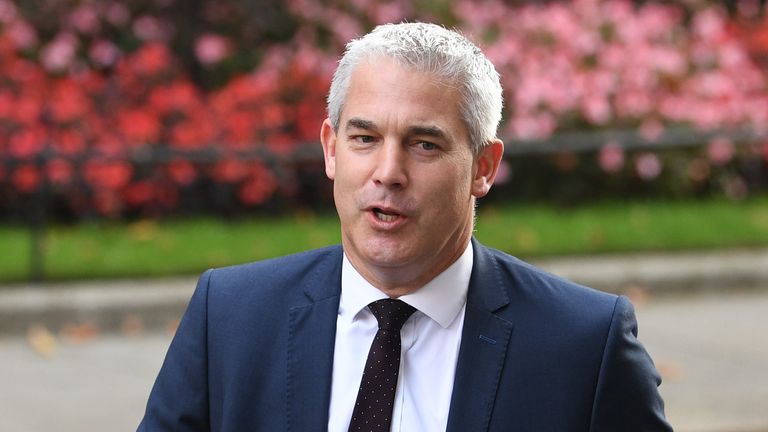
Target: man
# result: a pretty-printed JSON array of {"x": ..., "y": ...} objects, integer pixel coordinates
[{"x": 488, "y": 343}]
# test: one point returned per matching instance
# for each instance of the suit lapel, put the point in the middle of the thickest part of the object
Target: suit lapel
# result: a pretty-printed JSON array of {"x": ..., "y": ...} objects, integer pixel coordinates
[
  {"x": 483, "y": 350},
  {"x": 311, "y": 339}
]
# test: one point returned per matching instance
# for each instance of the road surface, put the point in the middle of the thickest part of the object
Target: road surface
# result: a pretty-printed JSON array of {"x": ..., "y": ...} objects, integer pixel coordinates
[{"x": 710, "y": 348}]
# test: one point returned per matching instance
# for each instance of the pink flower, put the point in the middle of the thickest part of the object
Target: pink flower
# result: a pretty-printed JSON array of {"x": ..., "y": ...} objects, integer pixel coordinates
[
  {"x": 345, "y": 27},
  {"x": 651, "y": 129},
  {"x": 596, "y": 109},
  {"x": 8, "y": 12},
  {"x": 211, "y": 48},
  {"x": 103, "y": 52},
  {"x": 611, "y": 157},
  {"x": 386, "y": 12},
  {"x": 59, "y": 54},
  {"x": 732, "y": 55},
  {"x": 648, "y": 166},
  {"x": 708, "y": 24},
  {"x": 669, "y": 61},
  {"x": 528, "y": 127},
  {"x": 658, "y": 20},
  {"x": 749, "y": 8},
  {"x": 23, "y": 35},
  {"x": 85, "y": 19},
  {"x": 720, "y": 150},
  {"x": 149, "y": 28},
  {"x": 117, "y": 14}
]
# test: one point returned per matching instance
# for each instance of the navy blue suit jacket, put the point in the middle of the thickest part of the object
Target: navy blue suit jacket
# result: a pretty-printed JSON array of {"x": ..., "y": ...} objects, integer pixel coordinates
[{"x": 254, "y": 352}]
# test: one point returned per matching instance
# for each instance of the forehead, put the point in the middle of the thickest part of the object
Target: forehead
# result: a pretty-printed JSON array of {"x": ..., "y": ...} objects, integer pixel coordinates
[{"x": 384, "y": 91}]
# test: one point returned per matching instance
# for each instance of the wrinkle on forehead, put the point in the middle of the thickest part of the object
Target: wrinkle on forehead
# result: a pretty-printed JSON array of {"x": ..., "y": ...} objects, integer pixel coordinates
[{"x": 386, "y": 78}]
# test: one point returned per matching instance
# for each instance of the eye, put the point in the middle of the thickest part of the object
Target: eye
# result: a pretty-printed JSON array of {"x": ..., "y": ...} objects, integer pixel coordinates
[
  {"x": 425, "y": 145},
  {"x": 364, "y": 139}
]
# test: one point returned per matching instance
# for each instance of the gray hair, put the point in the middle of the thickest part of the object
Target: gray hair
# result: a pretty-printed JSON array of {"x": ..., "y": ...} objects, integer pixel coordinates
[{"x": 436, "y": 50}]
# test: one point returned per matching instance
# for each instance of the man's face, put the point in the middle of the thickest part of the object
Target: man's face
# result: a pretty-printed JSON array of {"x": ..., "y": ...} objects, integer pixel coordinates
[{"x": 405, "y": 179}]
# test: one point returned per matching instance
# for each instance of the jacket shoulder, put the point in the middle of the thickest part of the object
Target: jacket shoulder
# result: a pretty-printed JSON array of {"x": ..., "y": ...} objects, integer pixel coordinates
[
  {"x": 278, "y": 274},
  {"x": 524, "y": 276},
  {"x": 528, "y": 285}
]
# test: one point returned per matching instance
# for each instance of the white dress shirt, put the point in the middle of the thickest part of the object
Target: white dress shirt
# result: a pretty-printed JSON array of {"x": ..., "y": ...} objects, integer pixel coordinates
[{"x": 430, "y": 347}]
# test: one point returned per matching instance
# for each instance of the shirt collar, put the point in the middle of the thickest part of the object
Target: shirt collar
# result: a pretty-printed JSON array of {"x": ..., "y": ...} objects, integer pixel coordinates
[{"x": 441, "y": 299}]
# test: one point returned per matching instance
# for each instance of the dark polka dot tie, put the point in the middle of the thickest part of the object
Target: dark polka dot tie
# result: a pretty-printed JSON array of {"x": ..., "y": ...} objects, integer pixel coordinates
[{"x": 376, "y": 396}]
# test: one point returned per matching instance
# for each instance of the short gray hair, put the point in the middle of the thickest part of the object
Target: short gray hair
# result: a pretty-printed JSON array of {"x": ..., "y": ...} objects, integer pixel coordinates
[{"x": 432, "y": 49}]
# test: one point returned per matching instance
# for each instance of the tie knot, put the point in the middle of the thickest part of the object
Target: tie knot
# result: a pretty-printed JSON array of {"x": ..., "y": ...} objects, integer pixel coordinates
[{"x": 391, "y": 313}]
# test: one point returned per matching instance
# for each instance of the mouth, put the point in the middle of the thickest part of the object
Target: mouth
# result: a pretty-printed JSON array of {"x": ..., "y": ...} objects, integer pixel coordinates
[{"x": 385, "y": 215}]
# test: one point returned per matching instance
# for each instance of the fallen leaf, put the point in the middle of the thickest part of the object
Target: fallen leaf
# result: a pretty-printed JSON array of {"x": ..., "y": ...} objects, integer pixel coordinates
[
  {"x": 79, "y": 333},
  {"x": 42, "y": 340},
  {"x": 132, "y": 325},
  {"x": 670, "y": 370},
  {"x": 638, "y": 295}
]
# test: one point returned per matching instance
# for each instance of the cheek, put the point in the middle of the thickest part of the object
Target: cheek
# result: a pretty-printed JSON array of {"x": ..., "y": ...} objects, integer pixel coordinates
[
  {"x": 346, "y": 189},
  {"x": 451, "y": 192},
  {"x": 349, "y": 168},
  {"x": 460, "y": 177}
]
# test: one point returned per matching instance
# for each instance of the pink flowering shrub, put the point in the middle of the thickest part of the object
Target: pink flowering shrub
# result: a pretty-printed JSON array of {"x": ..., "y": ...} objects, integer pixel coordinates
[
  {"x": 119, "y": 108},
  {"x": 595, "y": 64},
  {"x": 93, "y": 116}
]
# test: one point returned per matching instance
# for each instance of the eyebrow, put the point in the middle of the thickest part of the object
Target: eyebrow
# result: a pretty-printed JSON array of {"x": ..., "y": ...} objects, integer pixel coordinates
[
  {"x": 358, "y": 123},
  {"x": 431, "y": 131}
]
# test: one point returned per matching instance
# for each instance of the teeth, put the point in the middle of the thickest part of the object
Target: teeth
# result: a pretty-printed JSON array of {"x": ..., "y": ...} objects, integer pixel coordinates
[{"x": 385, "y": 217}]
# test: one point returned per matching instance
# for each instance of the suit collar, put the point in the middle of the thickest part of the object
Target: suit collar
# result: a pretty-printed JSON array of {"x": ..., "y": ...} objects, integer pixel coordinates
[
  {"x": 312, "y": 332},
  {"x": 324, "y": 280},
  {"x": 484, "y": 342},
  {"x": 311, "y": 339},
  {"x": 487, "y": 287}
]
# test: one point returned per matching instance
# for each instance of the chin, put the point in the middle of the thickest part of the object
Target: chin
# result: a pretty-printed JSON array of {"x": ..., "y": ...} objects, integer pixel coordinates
[{"x": 386, "y": 253}]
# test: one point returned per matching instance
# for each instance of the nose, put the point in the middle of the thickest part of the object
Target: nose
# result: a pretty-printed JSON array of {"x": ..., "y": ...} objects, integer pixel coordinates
[{"x": 390, "y": 170}]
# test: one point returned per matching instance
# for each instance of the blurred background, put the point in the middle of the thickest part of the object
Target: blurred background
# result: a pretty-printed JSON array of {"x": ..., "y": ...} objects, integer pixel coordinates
[{"x": 143, "y": 141}]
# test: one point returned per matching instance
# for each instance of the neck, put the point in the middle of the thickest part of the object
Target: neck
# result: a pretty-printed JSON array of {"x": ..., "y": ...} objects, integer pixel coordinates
[{"x": 402, "y": 280}]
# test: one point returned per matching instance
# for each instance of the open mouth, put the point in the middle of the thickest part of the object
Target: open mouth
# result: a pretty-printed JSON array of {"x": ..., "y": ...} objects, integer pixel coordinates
[{"x": 385, "y": 216}]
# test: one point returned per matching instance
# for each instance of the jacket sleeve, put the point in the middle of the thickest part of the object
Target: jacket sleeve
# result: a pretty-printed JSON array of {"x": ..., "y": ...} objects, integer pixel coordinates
[
  {"x": 179, "y": 398},
  {"x": 627, "y": 396}
]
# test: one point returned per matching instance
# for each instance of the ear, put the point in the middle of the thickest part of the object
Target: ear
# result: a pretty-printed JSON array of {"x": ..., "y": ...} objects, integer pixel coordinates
[
  {"x": 328, "y": 140},
  {"x": 486, "y": 167}
]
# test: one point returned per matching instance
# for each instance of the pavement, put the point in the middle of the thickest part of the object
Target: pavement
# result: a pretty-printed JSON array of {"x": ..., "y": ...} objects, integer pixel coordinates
[
  {"x": 111, "y": 306},
  {"x": 82, "y": 356}
]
